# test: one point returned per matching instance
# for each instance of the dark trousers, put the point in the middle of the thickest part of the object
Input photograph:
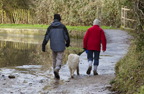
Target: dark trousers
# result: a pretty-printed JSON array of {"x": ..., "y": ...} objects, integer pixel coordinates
[{"x": 93, "y": 55}]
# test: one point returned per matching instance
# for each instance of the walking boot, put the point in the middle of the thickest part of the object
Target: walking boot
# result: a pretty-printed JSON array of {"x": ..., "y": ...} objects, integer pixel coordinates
[
  {"x": 89, "y": 68},
  {"x": 95, "y": 70},
  {"x": 56, "y": 72}
]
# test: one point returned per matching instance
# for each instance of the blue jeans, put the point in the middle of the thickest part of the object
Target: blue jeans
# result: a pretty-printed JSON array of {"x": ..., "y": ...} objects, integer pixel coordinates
[{"x": 94, "y": 57}]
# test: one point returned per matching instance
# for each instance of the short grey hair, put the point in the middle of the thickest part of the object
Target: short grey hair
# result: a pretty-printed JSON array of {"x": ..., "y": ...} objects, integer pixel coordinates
[{"x": 96, "y": 22}]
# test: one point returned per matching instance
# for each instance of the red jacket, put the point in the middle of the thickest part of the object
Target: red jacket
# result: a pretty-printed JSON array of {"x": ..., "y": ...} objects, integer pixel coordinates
[{"x": 93, "y": 39}]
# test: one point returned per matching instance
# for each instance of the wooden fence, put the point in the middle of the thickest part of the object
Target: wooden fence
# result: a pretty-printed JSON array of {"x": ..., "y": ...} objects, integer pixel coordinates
[{"x": 128, "y": 19}]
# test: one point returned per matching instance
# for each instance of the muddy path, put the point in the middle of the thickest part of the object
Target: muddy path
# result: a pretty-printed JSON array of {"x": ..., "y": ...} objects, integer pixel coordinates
[
  {"x": 117, "y": 47},
  {"x": 30, "y": 79}
]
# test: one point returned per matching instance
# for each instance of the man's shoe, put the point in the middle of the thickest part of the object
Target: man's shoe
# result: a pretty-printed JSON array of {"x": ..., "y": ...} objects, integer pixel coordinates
[
  {"x": 89, "y": 70},
  {"x": 95, "y": 73},
  {"x": 56, "y": 75},
  {"x": 56, "y": 72}
]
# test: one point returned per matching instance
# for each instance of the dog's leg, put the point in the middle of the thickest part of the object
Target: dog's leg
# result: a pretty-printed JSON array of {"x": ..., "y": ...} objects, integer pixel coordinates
[
  {"x": 78, "y": 70},
  {"x": 72, "y": 76},
  {"x": 70, "y": 71}
]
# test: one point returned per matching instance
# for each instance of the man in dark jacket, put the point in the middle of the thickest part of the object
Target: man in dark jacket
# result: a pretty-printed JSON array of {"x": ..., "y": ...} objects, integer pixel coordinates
[{"x": 58, "y": 35}]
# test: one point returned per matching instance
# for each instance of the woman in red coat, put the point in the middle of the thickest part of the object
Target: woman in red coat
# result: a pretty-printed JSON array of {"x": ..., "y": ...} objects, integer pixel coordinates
[{"x": 92, "y": 41}]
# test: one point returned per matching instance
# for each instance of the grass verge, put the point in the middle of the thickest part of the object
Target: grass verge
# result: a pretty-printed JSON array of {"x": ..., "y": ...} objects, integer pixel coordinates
[
  {"x": 39, "y": 26},
  {"x": 130, "y": 69}
]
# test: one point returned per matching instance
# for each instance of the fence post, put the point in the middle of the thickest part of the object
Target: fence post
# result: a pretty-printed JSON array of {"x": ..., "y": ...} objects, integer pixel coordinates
[{"x": 124, "y": 18}]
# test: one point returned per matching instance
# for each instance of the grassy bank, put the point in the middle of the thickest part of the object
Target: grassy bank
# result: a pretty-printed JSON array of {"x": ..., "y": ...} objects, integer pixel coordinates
[
  {"x": 130, "y": 69},
  {"x": 37, "y": 29},
  {"x": 39, "y": 26}
]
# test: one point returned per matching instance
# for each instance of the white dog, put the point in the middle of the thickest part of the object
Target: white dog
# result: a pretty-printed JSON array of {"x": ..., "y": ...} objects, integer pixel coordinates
[{"x": 73, "y": 64}]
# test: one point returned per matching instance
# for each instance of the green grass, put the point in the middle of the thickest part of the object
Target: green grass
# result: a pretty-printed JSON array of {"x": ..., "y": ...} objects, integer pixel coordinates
[
  {"x": 39, "y": 26},
  {"x": 23, "y": 26}
]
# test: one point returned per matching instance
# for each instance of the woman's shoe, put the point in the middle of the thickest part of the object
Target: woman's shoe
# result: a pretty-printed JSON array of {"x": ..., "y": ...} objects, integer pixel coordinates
[
  {"x": 95, "y": 73},
  {"x": 89, "y": 70}
]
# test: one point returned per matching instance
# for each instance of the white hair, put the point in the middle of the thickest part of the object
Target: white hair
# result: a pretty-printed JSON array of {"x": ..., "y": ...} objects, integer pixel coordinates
[{"x": 96, "y": 22}]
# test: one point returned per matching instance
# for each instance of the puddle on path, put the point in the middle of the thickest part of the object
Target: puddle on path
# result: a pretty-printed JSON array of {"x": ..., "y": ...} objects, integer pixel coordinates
[{"x": 34, "y": 75}]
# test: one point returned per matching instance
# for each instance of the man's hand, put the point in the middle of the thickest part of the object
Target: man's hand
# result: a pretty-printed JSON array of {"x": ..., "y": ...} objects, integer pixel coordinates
[
  {"x": 43, "y": 48},
  {"x": 67, "y": 45}
]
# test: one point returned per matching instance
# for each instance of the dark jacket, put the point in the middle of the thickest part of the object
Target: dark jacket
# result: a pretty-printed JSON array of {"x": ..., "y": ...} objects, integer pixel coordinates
[{"x": 58, "y": 35}]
